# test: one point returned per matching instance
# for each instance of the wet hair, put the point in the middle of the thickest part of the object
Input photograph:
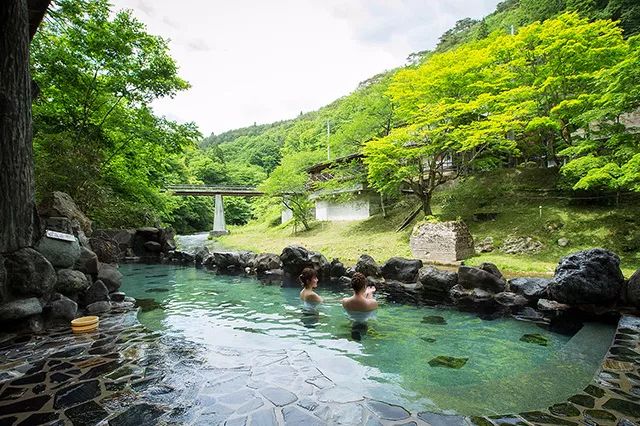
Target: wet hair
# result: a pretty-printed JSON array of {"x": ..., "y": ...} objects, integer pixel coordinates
[
  {"x": 306, "y": 276},
  {"x": 358, "y": 282}
]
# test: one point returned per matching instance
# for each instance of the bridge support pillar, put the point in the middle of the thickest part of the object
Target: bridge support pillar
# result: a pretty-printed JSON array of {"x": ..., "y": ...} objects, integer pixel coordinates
[{"x": 219, "y": 225}]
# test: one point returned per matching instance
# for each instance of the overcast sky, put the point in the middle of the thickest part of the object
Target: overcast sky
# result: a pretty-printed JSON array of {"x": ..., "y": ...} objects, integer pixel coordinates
[{"x": 267, "y": 60}]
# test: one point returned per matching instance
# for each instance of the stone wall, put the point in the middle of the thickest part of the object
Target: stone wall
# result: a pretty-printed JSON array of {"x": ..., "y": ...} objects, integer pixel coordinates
[{"x": 441, "y": 242}]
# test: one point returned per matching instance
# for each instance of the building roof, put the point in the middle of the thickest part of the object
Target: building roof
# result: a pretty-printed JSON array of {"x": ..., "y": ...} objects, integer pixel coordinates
[{"x": 317, "y": 168}]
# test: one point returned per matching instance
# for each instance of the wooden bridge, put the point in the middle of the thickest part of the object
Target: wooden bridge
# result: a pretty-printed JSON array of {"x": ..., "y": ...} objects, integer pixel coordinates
[{"x": 212, "y": 190}]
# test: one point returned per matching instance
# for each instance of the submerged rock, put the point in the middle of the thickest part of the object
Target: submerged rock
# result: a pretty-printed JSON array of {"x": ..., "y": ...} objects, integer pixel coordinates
[
  {"x": 434, "y": 319},
  {"x": 448, "y": 362},
  {"x": 588, "y": 277},
  {"x": 536, "y": 338},
  {"x": 401, "y": 269}
]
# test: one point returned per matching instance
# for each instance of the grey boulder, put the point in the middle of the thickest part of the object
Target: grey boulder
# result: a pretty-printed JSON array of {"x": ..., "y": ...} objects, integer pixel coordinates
[
  {"x": 19, "y": 309},
  {"x": 470, "y": 277},
  {"x": 367, "y": 265},
  {"x": 29, "y": 273},
  {"x": 435, "y": 280},
  {"x": 588, "y": 277},
  {"x": 98, "y": 307},
  {"x": 110, "y": 276},
  {"x": 87, "y": 262},
  {"x": 401, "y": 269},
  {"x": 97, "y": 292},
  {"x": 60, "y": 253},
  {"x": 63, "y": 308},
  {"x": 267, "y": 261},
  {"x": 71, "y": 282},
  {"x": 531, "y": 288}
]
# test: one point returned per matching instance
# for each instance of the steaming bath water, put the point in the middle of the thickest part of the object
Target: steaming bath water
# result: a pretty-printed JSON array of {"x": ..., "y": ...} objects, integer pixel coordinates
[{"x": 424, "y": 359}]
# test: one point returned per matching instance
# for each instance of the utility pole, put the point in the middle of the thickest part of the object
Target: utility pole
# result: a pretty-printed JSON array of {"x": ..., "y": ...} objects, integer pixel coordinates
[{"x": 328, "y": 146}]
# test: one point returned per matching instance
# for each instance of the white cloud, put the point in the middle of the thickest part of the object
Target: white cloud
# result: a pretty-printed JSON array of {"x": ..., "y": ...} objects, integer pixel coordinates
[{"x": 262, "y": 61}]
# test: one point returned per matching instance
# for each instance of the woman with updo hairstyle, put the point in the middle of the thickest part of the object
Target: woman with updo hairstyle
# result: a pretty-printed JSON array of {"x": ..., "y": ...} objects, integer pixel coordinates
[{"x": 310, "y": 299}]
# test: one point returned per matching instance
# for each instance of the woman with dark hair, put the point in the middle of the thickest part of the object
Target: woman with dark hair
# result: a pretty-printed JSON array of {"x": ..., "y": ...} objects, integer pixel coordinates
[
  {"x": 310, "y": 299},
  {"x": 361, "y": 306}
]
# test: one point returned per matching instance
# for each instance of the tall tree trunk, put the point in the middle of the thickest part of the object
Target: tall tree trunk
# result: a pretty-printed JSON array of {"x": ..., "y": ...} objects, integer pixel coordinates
[
  {"x": 16, "y": 153},
  {"x": 426, "y": 204}
]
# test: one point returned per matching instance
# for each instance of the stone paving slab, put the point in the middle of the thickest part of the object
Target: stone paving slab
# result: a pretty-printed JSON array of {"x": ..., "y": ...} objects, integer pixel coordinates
[{"x": 124, "y": 374}]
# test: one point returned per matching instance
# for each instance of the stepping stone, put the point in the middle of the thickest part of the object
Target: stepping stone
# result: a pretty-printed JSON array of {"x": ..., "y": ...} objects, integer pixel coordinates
[
  {"x": 448, "y": 362},
  {"x": 28, "y": 380},
  {"x": 75, "y": 394},
  {"x": 387, "y": 411},
  {"x": 540, "y": 417},
  {"x": 278, "y": 396},
  {"x": 237, "y": 398},
  {"x": 295, "y": 416},
  {"x": 583, "y": 400},
  {"x": 39, "y": 419},
  {"x": 141, "y": 414},
  {"x": 89, "y": 413},
  {"x": 627, "y": 408},
  {"x": 249, "y": 406},
  {"x": 435, "y": 419},
  {"x": 265, "y": 417},
  {"x": 565, "y": 409},
  {"x": 26, "y": 405},
  {"x": 321, "y": 382}
]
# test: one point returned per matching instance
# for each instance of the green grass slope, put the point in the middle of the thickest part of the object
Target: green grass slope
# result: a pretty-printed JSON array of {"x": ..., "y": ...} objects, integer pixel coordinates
[{"x": 516, "y": 197}]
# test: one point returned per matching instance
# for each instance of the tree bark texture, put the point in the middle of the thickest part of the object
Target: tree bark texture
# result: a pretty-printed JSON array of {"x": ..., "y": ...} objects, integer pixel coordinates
[{"x": 17, "y": 201}]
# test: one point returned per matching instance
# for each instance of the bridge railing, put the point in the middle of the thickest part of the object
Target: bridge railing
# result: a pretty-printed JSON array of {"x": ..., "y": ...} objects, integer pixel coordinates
[{"x": 210, "y": 187}]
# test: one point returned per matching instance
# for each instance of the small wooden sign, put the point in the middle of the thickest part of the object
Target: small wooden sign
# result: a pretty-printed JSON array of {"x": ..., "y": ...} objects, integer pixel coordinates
[{"x": 60, "y": 236}]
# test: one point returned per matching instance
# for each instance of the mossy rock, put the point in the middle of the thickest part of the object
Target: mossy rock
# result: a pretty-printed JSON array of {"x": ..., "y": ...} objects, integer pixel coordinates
[
  {"x": 600, "y": 415},
  {"x": 583, "y": 400},
  {"x": 594, "y": 391},
  {"x": 448, "y": 362},
  {"x": 627, "y": 408},
  {"x": 536, "y": 338},
  {"x": 480, "y": 421},
  {"x": 565, "y": 409},
  {"x": 434, "y": 319},
  {"x": 540, "y": 417}
]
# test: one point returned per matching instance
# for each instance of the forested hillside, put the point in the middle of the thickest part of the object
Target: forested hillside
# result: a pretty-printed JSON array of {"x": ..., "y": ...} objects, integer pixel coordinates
[{"x": 534, "y": 82}]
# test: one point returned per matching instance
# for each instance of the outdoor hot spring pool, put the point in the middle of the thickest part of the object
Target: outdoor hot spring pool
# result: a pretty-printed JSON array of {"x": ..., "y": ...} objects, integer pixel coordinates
[{"x": 502, "y": 374}]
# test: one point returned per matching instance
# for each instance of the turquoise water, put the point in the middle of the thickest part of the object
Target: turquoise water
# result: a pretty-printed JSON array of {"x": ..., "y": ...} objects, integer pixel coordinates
[{"x": 390, "y": 360}]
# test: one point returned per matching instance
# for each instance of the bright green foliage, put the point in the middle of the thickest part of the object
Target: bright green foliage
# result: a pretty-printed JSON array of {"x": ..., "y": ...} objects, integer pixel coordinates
[
  {"x": 608, "y": 156},
  {"x": 288, "y": 185},
  {"x": 523, "y": 95},
  {"x": 95, "y": 135}
]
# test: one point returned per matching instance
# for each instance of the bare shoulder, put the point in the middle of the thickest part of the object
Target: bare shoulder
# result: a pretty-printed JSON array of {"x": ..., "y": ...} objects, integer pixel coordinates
[{"x": 314, "y": 297}]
